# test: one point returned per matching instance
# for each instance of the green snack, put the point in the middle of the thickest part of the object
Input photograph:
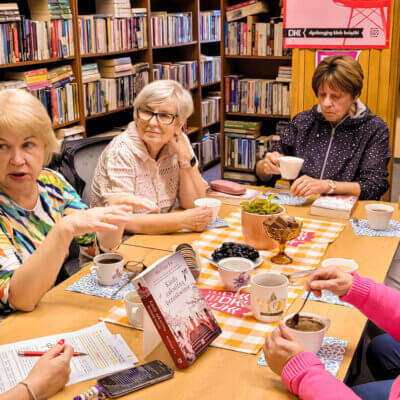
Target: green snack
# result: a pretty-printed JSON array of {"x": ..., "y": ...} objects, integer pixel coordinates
[{"x": 261, "y": 206}]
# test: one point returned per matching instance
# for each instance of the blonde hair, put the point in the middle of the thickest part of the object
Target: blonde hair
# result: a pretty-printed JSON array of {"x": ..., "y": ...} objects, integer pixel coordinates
[
  {"x": 161, "y": 91},
  {"x": 20, "y": 111},
  {"x": 339, "y": 72}
]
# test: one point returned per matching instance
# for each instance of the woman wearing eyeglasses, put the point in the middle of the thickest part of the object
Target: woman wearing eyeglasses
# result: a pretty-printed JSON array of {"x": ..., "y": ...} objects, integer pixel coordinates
[{"x": 153, "y": 158}]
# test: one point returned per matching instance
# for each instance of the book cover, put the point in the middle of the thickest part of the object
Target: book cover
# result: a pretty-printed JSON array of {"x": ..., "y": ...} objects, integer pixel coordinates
[
  {"x": 334, "y": 206},
  {"x": 177, "y": 308}
]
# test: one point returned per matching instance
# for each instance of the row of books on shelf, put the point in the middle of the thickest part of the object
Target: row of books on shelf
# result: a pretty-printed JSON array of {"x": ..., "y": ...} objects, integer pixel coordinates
[
  {"x": 28, "y": 40},
  {"x": 256, "y": 96},
  {"x": 210, "y": 69},
  {"x": 209, "y": 149},
  {"x": 184, "y": 72},
  {"x": 100, "y": 33},
  {"x": 170, "y": 28},
  {"x": 210, "y": 25},
  {"x": 255, "y": 38},
  {"x": 210, "y": 107}
]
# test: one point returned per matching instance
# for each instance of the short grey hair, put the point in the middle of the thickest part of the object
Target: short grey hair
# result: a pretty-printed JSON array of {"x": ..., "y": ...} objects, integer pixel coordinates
[
  {"x": 161, "y": 91},
  {"x": 21, "y": 111}
]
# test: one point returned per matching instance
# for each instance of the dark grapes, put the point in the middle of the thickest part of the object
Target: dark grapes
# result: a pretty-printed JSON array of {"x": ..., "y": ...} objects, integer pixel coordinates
[{"x": 232, "y": 249}]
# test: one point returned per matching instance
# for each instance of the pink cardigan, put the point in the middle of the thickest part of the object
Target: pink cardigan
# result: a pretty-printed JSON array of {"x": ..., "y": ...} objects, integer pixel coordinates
[{"x": 305, "y": 375}]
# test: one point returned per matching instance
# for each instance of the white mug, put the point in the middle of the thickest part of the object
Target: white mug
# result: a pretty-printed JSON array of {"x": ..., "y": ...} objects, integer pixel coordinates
[
  {"x": 379, "y": 215},
  {"x": 134, "y": 309},
  {"x": 269, "y": 293},
  {"x": 235, "y": 272},
  {"x": 290, "y": 166},
  {"x": 212, "y": 204},
  {"x": 108, "y": 273}
]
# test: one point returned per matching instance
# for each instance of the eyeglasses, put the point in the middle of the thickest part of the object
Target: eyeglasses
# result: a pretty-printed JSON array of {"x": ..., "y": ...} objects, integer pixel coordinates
[{"x": 163, "y": 118}]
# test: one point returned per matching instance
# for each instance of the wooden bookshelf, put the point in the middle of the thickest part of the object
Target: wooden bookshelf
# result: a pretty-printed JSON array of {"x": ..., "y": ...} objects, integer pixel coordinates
[
  {"x": 35, "y": 63},
  {"x": 114, "y": 53},
  {"x": 269, "y": 58},
  {"x": 168, "y": 46},
  {"x": 103, "y": 114},
  {"x": 258, "y": 115}
]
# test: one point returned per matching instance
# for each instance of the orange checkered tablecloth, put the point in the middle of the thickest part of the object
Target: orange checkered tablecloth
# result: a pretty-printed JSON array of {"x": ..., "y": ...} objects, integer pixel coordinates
[{"x": 247, "y": 334}]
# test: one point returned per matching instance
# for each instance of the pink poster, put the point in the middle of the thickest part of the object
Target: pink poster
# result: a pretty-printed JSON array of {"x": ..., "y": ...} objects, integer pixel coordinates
[{"x": 338, "y": 24}]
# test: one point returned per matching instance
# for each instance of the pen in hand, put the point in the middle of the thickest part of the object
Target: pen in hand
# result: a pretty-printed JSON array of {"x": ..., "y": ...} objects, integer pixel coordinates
[{"x": 40, "y": 353}]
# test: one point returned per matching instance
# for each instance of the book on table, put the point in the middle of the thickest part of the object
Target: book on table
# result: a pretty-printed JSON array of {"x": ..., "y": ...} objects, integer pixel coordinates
[
  {"x": 334, "y": 206},
  {"x": 177, "y": 309}
]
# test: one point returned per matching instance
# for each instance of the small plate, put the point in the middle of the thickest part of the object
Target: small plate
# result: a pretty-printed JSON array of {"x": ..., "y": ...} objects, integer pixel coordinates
[{"x": 256, "y": 263}]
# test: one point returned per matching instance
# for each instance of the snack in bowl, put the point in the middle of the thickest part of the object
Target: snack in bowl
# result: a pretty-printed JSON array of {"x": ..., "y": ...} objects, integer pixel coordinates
[{"x": 232, "y": 249}]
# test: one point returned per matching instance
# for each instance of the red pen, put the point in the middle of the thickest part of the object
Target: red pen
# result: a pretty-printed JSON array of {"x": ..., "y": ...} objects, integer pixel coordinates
[{"x": 40, "y": 353}]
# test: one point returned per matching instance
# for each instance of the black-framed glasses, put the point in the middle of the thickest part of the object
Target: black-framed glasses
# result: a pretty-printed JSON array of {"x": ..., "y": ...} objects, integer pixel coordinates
[{"x": 163, "y": 118}]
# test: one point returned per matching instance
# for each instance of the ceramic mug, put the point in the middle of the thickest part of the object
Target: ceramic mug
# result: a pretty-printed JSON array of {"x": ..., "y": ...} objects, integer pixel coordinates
[
  {"x": 134, "y": 309},
  {"x": 108, "y": 268},
  {"x": 212, "y": 204},
  {"x": 344, "y": 264},
  {"x": 312, "y": 341},
  {"x": 235, "y": 272},
  {"x": 269, "y": 293},
  {"x": 379, "y": 215},
  {"x": 290, "y": 166}
]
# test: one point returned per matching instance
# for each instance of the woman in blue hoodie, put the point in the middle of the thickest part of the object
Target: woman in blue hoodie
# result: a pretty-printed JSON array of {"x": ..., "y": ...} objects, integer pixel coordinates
[{"x": 344, "y": 146}]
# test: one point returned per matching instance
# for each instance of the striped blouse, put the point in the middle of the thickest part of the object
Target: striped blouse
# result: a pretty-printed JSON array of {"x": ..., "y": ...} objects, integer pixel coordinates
[{"x": 22, "y": 231}]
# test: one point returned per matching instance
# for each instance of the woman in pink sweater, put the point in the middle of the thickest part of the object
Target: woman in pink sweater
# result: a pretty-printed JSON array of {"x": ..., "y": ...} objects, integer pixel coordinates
[{"x": 304, "y": 374}]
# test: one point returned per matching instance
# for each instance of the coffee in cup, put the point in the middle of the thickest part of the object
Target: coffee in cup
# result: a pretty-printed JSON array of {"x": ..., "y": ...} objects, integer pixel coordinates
[
  {"x": 305, "y": 324},
  {"x": 290, "y": 166},
  {"x": 108, "y": 268}
]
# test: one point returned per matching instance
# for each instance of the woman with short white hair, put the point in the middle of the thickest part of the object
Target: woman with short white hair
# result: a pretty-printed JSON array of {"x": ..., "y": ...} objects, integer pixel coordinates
[
  {"x": 40, "y": 213},
  {"x": 153, "y": 158}
]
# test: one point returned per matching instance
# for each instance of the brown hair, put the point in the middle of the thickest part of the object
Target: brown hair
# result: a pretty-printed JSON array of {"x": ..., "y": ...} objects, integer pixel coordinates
[{"x": 339, "y": 72}]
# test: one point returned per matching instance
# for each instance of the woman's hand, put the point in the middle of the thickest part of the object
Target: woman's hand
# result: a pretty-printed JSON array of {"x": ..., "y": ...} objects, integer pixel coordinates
[
  {"x": 97, "y": 219},
  {"x": 51, "y": 372},
  {"x": 182, "y": 146},
  {"x": 330, "y": 278},
  {"x": 307, "y": 186},
  {"x": 279, "y": 347},
  {"x": 127, "y": 199},
  {"x": 271, "y": 163},
  {"x": 196, "y": 219}
]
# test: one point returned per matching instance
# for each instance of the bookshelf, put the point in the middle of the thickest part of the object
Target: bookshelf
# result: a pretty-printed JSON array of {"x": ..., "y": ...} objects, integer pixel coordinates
[
  {"x": 250, "y": 62},
  {"x": 191, "y": 50}
]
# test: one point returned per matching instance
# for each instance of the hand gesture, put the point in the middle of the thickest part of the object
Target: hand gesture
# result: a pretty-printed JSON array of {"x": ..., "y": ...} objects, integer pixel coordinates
[
  {"x": 51, "y": 372},
  {"x": 279, "y": 347},
  {"x": 330, "y": 278},
  {"x": 128, "y": 199},
  {"x": 181, "y": 145},
  {"x": 307, "y": 186},
  {"x": 97, "y": 219},
  {"x": 271, "y": 163},
  {"x": 196, "y": 219}
]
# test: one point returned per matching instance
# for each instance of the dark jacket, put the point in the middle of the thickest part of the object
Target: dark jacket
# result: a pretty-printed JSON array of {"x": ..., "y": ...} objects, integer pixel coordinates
[{"x": 356, "y": 150}]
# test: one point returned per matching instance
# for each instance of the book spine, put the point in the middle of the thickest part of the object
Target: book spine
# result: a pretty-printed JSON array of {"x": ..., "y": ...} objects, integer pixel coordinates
[{"x": 162, "y": 327}]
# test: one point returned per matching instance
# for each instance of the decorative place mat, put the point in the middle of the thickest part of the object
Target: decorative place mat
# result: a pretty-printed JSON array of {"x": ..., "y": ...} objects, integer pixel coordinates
[
  {"x": 361, "y": 228},
  {"x": 327, "y": 297},
  {"x": 218, "y": 223},
  {"x": 285, "y": 198},
  {"x": 247, "y": 334},
  {"x": 331, "y": 354},
  {"x": 89, "y": 285}
]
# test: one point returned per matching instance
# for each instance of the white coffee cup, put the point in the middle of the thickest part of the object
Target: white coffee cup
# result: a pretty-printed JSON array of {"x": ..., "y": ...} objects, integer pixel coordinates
[
  {"x": 235, "y": 272},
  {"x": 290, "y": 166},
  {"x": 344, "y": 264},
  {"x": 312, "y": 341},
  {"x": 108, "y": 273},
  {"x": 212, "y": 204},
  {"x": 269, "y": 293},
  {"x": 134, "y": 309},
  {"x": 379, "y": 215}
]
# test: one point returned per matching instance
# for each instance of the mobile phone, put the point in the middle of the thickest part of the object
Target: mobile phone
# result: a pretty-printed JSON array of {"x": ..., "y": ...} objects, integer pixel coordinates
[{"x": 136, "y": 378}]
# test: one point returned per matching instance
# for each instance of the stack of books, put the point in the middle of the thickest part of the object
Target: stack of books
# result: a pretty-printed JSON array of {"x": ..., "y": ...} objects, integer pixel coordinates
[
  {"x": 70, "y": 133},
  {"x": 46, "y": 10},
  {"x": 116, "y": 8},
  {"x": 9, "y": 12},
  {"x": 184, "y": 72},
  {"x": 210, "y": 69},
  {"x": 208, "y": 149},
  {"x": 240, "y": 143},
  {"x": 241, "y": 177},
  {"x": 210, "y": 25},
  {"x": 210, "y": 110},
  {"x": 284, "y": 74},
  {"x": 115, "y": 67},
  {"x": 90, "y": 73},
  {"x": 35, "y": 79},
  {"x": 241, "y": 10},
  {"x": 103, "y": 33},
  {"x": 13, "y": 84},
  {"x": 256, "y": 96},
  {"x": 170, "y": 28},
  {"x": 94, "y": 101},
  {"x": 141, "y": 73}
]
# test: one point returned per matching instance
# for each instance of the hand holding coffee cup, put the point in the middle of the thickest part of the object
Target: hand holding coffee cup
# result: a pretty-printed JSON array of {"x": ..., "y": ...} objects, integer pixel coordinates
[
  {"x": 290, "y": 167},
  {"x": 271, "y": 163},
  {"x": 212, "y": 204},
  {"x": 108, "y": 268}
]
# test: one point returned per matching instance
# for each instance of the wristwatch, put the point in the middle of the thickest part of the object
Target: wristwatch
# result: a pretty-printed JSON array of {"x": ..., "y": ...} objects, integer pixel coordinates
[
  {"x": 188, "y": 164},
  {"x": 332, "y": 186}
]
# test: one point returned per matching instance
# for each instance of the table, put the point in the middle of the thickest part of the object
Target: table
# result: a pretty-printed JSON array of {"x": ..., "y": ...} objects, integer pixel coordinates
[{"x": 218, "y": 373}]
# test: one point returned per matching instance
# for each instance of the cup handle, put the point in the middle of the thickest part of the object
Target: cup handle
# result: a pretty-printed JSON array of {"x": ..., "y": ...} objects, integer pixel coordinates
[
  {"x": 242, "y": 302},
  {"x": 93, "y": 269},
  {"x": 327, "y": 322}
]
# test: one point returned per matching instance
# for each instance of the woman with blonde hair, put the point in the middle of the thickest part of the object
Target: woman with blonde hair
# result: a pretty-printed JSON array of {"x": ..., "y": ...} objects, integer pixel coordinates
[
  {"x": 40, "y": 213},
  {"x": 153, "y": 158},
  {"x": 344, "y": 146}
]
